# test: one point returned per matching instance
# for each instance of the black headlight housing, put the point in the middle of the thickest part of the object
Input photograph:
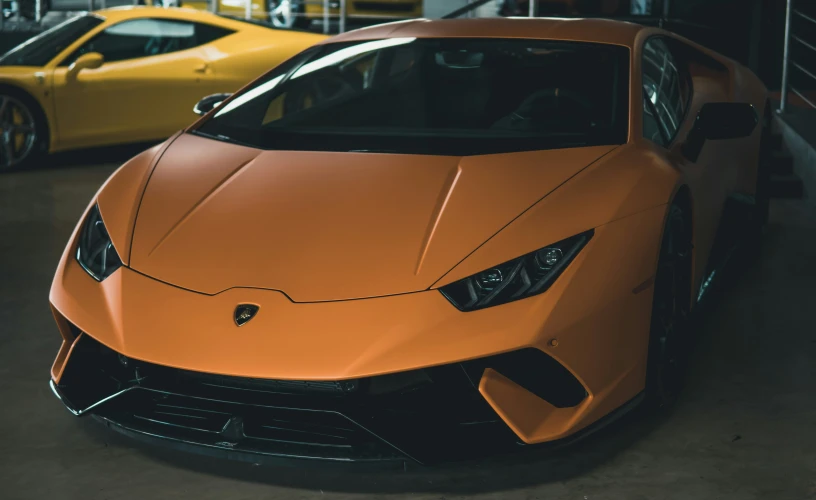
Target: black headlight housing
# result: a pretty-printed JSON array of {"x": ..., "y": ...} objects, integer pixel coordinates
[
  {"x": 95, "y": 252},
  {"x": 519, "y": 278}
]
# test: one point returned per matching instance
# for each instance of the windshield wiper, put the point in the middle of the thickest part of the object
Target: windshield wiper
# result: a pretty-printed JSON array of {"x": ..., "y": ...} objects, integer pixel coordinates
[{"x": 223, "y": 138}]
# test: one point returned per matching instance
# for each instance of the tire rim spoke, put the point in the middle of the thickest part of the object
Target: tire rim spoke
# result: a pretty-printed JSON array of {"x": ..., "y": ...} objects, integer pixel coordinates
[
  {"x": 8, "y": 149},
  {"x": 19, "y": 133},
  {"x": 21, "y": 129}
]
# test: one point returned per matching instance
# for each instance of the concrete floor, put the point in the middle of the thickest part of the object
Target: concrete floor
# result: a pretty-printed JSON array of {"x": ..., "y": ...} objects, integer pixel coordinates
[{"x": 744, "y": 429}]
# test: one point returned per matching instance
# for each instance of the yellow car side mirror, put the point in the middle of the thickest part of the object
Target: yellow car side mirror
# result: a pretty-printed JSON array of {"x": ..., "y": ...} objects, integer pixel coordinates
[{"x": 91, "y": 60}]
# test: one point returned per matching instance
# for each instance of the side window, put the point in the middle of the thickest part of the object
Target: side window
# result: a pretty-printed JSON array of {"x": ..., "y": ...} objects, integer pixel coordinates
[
  {"x": 206, "y": 33},
  {"x": 651, "y": 126},
  {"x": 666, "y": 92},
  {"x": 147, "y": 37}
]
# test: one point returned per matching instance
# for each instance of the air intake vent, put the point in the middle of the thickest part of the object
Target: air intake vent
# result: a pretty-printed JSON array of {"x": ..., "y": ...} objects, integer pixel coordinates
[{"x": 535, "y": 371}]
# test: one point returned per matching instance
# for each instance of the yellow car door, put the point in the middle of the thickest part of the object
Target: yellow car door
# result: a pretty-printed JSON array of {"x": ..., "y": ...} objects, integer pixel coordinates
[{"x": 152, "y": 73}]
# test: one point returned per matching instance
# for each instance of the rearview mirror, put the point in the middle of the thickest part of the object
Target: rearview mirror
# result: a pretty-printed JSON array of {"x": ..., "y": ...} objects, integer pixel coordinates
[
  {"x": 720, "y": 120},
  {"x": 91, "y": 60},
  {"x": 207, "y": 104}
]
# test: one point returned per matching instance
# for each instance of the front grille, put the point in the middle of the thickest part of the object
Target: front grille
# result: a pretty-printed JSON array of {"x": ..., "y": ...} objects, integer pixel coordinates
[
  {"x": 384, "y": 6},
  {"x": 177, "y": 413},
  {"x": 331, "y": 387},
  {"x": 428, "y": 415},
  {"x": 291, "y": 427},
  {"x": 282, "y": 431}
]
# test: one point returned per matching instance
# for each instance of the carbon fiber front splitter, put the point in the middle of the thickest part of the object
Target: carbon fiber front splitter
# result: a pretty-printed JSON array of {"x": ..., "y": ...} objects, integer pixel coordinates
[{"x": 427, "y": 416}]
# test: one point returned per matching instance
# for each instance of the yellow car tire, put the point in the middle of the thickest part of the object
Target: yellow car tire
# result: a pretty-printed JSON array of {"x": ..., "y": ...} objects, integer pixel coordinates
[{"x": 23, "y": 130}]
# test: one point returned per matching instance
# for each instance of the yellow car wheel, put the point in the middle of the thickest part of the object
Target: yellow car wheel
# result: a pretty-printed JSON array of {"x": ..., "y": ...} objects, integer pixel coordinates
[{"x": 22, "y": 130}]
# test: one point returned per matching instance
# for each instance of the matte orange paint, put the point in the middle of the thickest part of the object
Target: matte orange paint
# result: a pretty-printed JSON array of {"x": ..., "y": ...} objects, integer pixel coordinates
[
  {"x": 303, "y": 233},
  {"x": 359, "y": 228}
]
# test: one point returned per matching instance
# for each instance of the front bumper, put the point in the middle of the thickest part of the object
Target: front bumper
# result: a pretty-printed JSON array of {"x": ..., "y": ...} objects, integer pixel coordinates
[{"x": 428, "y": 415}]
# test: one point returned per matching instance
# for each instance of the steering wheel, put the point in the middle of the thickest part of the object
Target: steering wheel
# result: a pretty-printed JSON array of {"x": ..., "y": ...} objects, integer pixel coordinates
[
  {"x": 321, "y": 89},
  {"x": 527, "y": 108},
  {"x": 529, "y": 112},
  {"x": 337, "y": 85},
  {"x": 153, "y": 46}
]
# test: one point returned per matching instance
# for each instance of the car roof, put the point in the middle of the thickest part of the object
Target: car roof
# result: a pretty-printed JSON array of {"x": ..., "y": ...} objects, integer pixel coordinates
[{"x": 569, "y": 29}]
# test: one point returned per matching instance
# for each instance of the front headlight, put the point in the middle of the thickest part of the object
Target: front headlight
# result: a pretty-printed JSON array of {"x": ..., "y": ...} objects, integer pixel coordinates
[
  {"x": 95, "y": 252},
  {"x": 519, "y": 278}
]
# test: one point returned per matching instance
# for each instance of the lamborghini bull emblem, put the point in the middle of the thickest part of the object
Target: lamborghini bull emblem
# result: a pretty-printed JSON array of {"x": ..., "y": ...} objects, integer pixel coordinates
[{"x": 244, "y": 313}]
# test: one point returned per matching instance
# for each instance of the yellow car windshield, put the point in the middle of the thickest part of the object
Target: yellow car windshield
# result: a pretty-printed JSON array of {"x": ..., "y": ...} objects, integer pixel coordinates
[{"x": 41, "y": 49}]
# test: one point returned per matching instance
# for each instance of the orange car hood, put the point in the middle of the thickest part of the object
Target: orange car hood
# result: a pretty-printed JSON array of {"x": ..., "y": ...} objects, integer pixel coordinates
[{"x": 322, "y": 226}]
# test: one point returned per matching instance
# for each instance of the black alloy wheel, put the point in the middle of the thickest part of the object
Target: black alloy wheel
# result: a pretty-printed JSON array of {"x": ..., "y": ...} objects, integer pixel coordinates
[
  {"x": 22, "y": 130},
  {"x": 669, "y": 340}
]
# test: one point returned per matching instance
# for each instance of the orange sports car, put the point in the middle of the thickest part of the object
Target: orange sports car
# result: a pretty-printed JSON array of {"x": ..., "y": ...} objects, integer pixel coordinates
[{"x": 422, "y": 241}]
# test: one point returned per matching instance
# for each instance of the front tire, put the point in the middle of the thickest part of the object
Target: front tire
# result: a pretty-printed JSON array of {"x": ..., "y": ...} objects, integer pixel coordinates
[
  {"x": 23, "y": 130},
  {"x": 669, "y": 339}
]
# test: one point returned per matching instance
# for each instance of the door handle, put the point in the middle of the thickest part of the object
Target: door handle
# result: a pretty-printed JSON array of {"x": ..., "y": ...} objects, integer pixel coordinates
[{"x": 202, "y": 68}]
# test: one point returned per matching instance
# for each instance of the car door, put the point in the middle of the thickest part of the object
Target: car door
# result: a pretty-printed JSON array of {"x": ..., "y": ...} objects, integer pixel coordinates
[
  {"x": 672, "y": 96},
  {"x": 154, "y": 72}
]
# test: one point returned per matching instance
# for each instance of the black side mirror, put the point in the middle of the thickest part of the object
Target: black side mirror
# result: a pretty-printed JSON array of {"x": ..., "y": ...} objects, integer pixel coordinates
[
  {"x": 720, "y": 120},
  {"x": 207, "y": 104}
]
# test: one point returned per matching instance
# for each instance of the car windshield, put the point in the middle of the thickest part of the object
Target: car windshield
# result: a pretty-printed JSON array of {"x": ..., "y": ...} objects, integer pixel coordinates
[
  {"x": 39, "y": 50},
  {"x": 449, "y": 96}
]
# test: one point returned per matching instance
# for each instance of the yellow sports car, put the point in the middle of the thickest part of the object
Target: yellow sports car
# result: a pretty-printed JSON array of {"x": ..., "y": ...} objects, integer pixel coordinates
[{"x": 125, "y": 75}]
